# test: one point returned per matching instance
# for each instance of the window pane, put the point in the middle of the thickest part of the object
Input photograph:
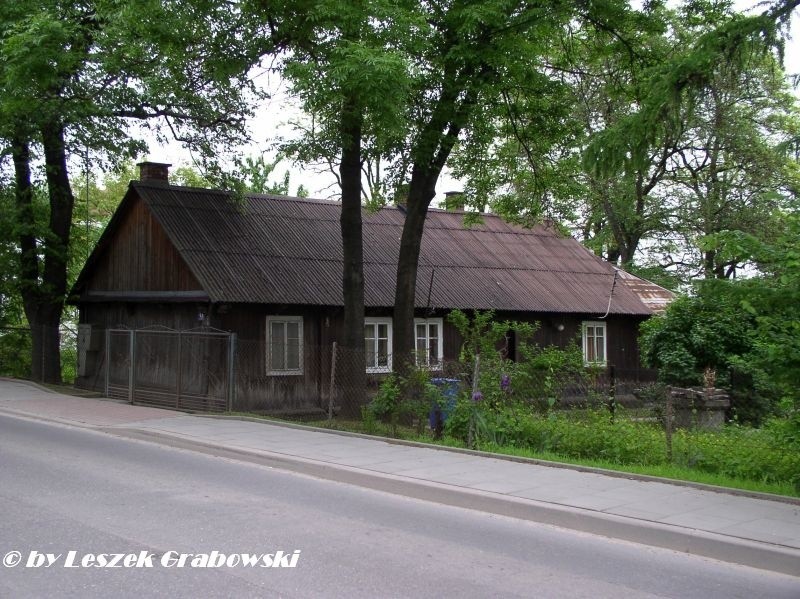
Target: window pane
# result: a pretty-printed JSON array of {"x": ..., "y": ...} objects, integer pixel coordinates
[
  {"x": 433, "y": 351},
  {"x": 277, "y": 343},
  {"x": 383, "y": 352},
  {"x": 433, "y": 343},
  {"x": 293, "y": 331},
  {"x": 369, "y": 331},
  {"x": 369, "y": 352},
  {"x": 293, "y": 356},
  {"x": 383, "y": 331},
  {"x": 590, "y": 355},
  {"x": 594, "y": 343},
  {"x": 421, "y": 331}
]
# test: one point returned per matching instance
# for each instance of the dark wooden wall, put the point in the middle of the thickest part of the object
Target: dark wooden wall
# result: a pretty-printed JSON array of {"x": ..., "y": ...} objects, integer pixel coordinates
[
  {"x": 622, "y": 334},
  {"x": 141, "y": 258},
  {"x": 276, "y": 393}
]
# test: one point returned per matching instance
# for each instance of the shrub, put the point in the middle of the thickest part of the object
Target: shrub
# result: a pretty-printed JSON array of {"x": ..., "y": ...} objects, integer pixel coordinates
[
  {"x": 403, "y": 399},
  {"x": 15, "y": 353}
]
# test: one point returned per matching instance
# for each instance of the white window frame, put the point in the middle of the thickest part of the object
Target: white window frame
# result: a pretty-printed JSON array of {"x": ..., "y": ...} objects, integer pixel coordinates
[
  {"x": 285, "y": 320},
  {"x": 439, "y": 342},
  {"x": 585, "y": 337},
  {"x": 374, "y": 368}
]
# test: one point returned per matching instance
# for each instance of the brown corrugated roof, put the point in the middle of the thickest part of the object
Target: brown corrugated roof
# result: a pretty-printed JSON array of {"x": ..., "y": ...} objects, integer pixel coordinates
[{"x": 280, "y": 250}]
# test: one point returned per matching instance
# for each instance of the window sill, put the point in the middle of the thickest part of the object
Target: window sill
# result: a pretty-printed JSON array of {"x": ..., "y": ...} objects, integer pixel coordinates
[{"x": 285, "y": 373}]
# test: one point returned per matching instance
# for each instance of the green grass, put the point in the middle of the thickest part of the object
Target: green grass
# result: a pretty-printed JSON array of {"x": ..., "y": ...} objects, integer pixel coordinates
[{"x": 662, "y": 470}]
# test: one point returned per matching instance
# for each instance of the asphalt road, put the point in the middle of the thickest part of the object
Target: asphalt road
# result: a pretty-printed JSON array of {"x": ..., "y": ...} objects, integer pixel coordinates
[{"x": 65, "y": 489}]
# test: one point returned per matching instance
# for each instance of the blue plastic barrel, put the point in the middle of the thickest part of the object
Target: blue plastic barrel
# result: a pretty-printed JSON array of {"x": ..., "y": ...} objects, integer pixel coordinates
[{"x": 440, "y": 411}]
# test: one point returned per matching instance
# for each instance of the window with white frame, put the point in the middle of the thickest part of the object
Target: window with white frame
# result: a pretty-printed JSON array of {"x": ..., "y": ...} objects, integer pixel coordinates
[
  {"x": 429, "y": 345},
  {"x": 594, "y": 343},
  {"x": 284, "y": 345},
  {"x": 378, "y": 344}
]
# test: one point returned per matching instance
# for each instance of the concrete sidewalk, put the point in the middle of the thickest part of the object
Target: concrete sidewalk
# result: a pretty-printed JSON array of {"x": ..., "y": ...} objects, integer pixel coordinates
[{"x": 758, "y": 532}]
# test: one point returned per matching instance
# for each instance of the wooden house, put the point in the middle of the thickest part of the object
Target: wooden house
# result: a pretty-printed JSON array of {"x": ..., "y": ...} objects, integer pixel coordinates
[{"x": 268, "y": 269}]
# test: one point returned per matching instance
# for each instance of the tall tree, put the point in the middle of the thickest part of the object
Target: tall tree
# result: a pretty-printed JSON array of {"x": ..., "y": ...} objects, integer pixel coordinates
[
  {"x": 72, "y": 76},
  {"x": 477, "y": 58},
  {"x": 731, "y": 173},
  {"x": 346, "y": 63},
  {"x": 717, "y": 95},
  {"x": 407, "y": 82}
]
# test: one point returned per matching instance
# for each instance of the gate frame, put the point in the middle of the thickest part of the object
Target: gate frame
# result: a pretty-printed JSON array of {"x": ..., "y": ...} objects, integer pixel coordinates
[{"x": 230, "y": 336}]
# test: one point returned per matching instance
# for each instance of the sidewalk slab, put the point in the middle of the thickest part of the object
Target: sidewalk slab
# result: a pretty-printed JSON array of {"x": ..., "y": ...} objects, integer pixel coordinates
[
  {"x": 26, "y": 398},
  {"x": 758, "y": 532}
]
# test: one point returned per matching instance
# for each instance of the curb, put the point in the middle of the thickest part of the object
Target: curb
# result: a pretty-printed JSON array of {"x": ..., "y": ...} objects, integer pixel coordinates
[
  {"x": 762, "y": 555},
  {"x": 730, "y": 549},
  {"x": 521, "y": 459},
  {"x": 473, "y": 452}
]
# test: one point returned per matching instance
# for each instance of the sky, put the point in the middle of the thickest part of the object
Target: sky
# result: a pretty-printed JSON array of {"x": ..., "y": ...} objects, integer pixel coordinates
[{"x": 273, "y": 119}]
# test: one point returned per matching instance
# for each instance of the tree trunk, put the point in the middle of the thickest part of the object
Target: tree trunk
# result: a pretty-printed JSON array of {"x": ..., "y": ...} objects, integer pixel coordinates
[
  {"x": 352, "y": 370},
  {"x": 44, "y": 287},
  {"x": 46, "y": 343},
  {"x": 420, "y": 195}
]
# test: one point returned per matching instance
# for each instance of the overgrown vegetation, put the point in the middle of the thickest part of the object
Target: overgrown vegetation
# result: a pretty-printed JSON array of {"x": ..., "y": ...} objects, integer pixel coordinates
[
  {"x": 512, "y": 408},
  {"x": 746, "y": 331}
]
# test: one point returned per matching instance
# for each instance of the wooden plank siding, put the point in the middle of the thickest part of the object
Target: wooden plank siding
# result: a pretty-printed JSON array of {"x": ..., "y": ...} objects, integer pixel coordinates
[
  {"x": 255, "y": 389},
  {"x": 621, "y": 335},
  {"x": 142, "y": 258}
]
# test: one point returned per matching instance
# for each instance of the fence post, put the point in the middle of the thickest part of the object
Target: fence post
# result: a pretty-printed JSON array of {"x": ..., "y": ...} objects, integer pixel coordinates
[
  {"x": 131, "y": 370},
  {"x": 42, "y": 363},
  {"x": 612, "y": 391},
  {"x": 668, "y": 423},
  {"x": 108, "y": 360},
  {"x": 231, "y": 370},
  {"x": 333, "y": 382},
  {"x": 178, "y": 381},
  {"x": 475, "y": 376}
]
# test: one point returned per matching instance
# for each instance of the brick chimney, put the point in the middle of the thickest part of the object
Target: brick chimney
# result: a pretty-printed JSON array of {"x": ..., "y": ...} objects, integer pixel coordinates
[
  {"x": 154, "y": 172},
  {"x": 453, "y": 200}
]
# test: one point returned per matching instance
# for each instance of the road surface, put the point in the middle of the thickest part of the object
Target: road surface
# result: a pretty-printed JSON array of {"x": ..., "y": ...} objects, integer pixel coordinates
[{"x": 66, "y": 489}]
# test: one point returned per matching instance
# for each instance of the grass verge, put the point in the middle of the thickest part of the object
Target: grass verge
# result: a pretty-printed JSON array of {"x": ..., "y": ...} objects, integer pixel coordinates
[{"x": 668, "y": 471}]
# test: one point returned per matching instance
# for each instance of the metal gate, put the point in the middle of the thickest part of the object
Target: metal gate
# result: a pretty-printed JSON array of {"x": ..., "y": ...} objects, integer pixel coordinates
[{"x": 185, "y": 370}]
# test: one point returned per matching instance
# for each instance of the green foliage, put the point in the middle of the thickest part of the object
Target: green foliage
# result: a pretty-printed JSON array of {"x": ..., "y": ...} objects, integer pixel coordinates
[
  {"x": 748, "y": 330},
  {"x": 403, "y": 399},
  {"x": 698, "y": 332},
  {"x": 537, "y": 376},
  {"x": 767, "y": 455},
  {"x": 707, "y": 330},
  {"x": 15, "y": 356},
  {"x": 739, "y": 452},
  {"x": 542, "y": 373},
  {"x": 258, "y": 174},
  {"x": 703, "y": 132}
]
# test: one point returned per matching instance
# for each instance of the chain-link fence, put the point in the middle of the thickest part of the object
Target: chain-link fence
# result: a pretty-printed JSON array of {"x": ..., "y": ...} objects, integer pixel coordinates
[
  {"x": 17, "y": 356},
  {"x": 316, "y": 381},
  {"x": 696, "y": 429}
]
